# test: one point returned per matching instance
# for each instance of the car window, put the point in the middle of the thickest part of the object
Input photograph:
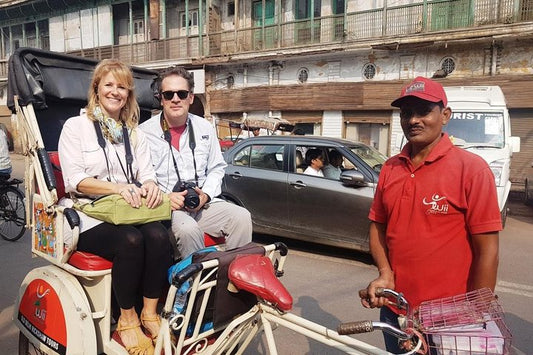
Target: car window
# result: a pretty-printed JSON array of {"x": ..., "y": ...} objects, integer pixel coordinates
[
  {"x": 242, "y": 157},
  {"x": 335, "y": 163},
  {"x": 371, "y": 156},
  {"x": 267, "y": 156},
  {"x": 302, "y": 158}
]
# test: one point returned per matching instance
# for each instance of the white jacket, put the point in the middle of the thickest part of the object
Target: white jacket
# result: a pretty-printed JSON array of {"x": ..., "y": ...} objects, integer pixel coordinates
[{"x": 210, "y": 164}]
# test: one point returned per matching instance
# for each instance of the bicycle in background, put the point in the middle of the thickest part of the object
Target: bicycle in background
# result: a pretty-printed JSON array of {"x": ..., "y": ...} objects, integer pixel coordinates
[{"x": 12, "y": 209}]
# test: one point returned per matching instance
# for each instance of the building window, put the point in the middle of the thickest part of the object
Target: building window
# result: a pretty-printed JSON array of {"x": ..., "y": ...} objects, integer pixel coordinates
[
  {"x": 193, "y": 19},
  {"x": 448, "y": 65},
  {"x": 303, "y": 9},
  {"x": 338, "y": 7},
  {"x": 369, "y": 71},
  {"x": 230, "y": 81},
  {"x": 138, "y": 27},
  {"x": 231, "y": 8},
  {"x": 303, "y": 75}
]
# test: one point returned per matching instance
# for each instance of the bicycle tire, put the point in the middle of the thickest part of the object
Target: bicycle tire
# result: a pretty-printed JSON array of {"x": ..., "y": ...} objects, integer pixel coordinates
[{"x": 12, "y": 214}]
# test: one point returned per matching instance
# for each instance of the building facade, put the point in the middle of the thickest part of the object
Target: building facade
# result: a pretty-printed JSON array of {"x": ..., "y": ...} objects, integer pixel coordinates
[{"x": 330, "y": 66}]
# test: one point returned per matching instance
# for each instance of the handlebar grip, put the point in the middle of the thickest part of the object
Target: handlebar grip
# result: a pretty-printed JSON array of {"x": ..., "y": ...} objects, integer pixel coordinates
[
  {"x": 364, "y": 326},
  {"x": 185, "y": 274},
  {"x": 380, "y": 292}
]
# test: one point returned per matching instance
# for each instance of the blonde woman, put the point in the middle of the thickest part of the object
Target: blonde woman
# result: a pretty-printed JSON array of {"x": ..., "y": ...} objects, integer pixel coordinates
[{"x": 141, "y": 254}]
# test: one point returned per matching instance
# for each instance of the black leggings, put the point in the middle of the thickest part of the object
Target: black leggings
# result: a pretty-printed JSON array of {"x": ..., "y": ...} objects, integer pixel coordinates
[{"x": 141, "y": 256}]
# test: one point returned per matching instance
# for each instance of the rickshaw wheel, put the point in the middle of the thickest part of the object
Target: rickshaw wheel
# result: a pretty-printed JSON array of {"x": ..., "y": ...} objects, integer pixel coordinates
[{"x": 26, "y": 347}]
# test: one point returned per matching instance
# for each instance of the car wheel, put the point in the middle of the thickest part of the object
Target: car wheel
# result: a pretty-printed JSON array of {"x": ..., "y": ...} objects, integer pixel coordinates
[{"x": 529, "y": 192}]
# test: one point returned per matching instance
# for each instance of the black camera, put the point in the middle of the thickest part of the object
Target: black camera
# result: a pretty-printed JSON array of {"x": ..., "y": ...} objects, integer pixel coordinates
[{"x": 192, "y": 200}]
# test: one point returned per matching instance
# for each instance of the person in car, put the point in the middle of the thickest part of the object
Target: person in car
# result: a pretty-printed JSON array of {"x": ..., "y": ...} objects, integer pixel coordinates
[
  {"x": 434, "y": 218},
  {"x": 333, "y": 170},
  {"x": 315, "y": 162},
  {"x": 141, "y": 254},
  {"x": 185, "y": 148}
]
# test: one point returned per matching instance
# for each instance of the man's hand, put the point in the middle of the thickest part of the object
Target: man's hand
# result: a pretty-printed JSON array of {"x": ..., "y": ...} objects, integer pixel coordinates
[
  {"x": 177, "y": 200},
  {"x": 385, "y": 280},
  {"x": 204, "y": 198}
]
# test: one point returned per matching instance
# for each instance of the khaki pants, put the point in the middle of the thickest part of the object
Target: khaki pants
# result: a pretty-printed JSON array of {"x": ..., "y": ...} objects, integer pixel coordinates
[{"x": 221, "y": 220}]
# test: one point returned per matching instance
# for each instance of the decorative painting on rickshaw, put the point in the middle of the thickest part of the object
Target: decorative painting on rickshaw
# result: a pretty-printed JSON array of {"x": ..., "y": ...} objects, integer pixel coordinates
[{"x": 44, "y": 232}]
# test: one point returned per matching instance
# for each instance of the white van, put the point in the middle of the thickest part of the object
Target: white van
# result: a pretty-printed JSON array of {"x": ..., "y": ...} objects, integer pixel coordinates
[{"x": 480, "y": 123}]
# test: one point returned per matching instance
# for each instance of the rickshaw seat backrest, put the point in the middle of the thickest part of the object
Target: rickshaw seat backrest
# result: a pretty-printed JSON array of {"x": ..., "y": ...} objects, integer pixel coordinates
[{"x": 56, "y": 167}]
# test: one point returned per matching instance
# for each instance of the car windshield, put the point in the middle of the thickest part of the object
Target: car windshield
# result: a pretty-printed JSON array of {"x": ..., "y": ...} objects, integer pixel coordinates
[
  {"x": 370, "y": 155},
  {"x": 476, "y": 129}
]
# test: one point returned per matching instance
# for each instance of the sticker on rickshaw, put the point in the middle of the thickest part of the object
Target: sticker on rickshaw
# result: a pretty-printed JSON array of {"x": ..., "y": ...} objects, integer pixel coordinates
[
  {"x": 41, "y": 313},
  {"x": 44, "y": 238}
]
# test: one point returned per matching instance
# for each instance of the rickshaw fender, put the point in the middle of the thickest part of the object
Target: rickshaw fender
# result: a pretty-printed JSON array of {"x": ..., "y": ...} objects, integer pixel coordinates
[{"x": 52, "y": 311}]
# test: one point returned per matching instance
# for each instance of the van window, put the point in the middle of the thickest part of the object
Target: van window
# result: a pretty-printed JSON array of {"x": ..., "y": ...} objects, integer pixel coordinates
[{"x": 476, "y": 129}]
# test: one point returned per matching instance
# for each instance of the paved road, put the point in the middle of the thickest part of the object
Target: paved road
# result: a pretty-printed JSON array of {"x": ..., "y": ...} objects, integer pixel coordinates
[{"x": 324, "y": 282}]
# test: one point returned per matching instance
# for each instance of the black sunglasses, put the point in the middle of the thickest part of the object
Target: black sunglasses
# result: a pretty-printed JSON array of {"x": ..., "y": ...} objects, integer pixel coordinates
[{"x": 182, "y": 94}]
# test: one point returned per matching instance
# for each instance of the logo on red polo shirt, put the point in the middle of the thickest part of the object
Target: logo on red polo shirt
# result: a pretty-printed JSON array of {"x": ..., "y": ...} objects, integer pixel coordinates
[{"x": 437, "y": 204}]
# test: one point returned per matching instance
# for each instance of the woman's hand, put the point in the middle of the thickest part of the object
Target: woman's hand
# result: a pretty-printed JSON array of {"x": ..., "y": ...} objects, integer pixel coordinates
[
  {"x": 131, "y": 193},
  {"x": 151, "y": 192}
]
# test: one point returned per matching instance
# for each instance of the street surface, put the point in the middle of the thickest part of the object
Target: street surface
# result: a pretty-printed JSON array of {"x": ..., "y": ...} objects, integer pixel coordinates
[{"x": 324, "y": 283}]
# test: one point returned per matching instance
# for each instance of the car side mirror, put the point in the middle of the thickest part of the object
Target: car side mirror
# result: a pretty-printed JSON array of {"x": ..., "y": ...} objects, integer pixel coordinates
[{"x": 353, "y": 178}]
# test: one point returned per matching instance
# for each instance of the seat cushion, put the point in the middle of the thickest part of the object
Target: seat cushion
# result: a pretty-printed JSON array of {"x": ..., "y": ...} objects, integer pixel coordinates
[{"x": 89, "y": 262}]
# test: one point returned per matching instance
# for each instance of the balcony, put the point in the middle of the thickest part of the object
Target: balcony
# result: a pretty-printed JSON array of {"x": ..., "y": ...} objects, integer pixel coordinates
[{"x": 378, "y": 27}]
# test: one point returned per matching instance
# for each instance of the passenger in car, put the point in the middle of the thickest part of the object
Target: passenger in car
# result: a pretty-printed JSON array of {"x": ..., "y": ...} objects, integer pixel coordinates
[
  {"x": 315, "y": 162},
  {"x": 333, "y": 170}
]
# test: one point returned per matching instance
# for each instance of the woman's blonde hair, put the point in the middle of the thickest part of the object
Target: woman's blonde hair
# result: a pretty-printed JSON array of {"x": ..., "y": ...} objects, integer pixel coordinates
[{"x": 122, "y": 73}]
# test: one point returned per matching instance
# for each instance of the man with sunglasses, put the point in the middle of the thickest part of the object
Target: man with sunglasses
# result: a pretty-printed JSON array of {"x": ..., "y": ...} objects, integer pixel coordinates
[
  {"x": 435, "y": 216},
  {"x": 189, "y": 166}
]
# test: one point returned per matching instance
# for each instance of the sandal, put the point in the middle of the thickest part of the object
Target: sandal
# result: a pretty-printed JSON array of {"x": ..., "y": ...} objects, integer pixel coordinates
[
  {"x": 144, "y": 345},
  {"x": 154, "y": 318}
]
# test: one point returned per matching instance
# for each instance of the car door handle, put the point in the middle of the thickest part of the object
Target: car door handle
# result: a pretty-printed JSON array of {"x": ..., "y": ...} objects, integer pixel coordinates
[
  {"x": 235, "y": 175},
  {"x": 298, "y": 184}
]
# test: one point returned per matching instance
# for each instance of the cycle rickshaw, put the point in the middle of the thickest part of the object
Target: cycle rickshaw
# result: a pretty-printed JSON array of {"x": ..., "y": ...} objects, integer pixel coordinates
[{"x": 228, "y": 297}]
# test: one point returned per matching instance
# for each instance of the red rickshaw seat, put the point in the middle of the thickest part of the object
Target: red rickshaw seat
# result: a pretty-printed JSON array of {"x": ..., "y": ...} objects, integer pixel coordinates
[{"x": 89, "y": 262}]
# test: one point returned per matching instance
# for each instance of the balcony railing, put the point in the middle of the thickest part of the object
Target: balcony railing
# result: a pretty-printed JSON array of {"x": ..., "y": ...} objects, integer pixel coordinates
[{"x": 424, "y": 17}]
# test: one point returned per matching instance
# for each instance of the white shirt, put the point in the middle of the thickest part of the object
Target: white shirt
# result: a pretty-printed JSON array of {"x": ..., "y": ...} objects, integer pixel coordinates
[
  {"x": 5, "y": 161},
  {"x": 210, "y": 164},
  {"x": 311, "y": 171},
  {"x": 81, "y": 157}
]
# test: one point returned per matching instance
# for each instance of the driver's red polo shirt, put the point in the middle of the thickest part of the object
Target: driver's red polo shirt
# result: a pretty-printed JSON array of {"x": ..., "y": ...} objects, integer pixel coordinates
[{"x": 430, "y": 213}]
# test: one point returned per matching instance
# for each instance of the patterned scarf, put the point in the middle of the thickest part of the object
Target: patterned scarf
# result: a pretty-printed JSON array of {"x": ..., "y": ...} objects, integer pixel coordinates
[{"x": 111, "y": 129}]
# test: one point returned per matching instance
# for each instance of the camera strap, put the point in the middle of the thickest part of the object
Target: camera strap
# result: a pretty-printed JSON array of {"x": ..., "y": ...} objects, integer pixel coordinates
[
  {"x": 129, "y": 156},
  {"x": 192, "y": 145}
]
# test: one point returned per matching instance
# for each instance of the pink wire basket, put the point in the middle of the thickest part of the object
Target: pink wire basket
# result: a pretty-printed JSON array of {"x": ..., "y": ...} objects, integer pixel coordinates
[{"x": 470, "y": 323}]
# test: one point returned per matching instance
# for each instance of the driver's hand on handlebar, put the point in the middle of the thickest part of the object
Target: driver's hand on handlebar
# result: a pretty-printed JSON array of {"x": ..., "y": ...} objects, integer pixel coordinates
[{"x": 368, "y": 295}]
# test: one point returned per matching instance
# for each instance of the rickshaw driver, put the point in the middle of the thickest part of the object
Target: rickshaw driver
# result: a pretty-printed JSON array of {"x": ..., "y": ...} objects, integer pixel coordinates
[{"x": 435, "y": 211}]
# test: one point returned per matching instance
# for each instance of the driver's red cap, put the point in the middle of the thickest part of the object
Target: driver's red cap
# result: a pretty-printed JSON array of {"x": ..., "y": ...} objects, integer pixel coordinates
[{"x": 423, "y": 88}]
